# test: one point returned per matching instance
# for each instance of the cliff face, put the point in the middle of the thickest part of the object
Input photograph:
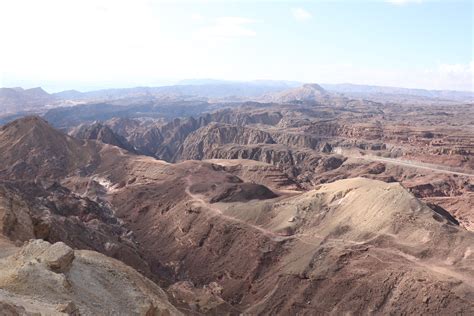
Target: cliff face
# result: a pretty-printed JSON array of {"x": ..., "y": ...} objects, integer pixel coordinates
[
  {"x": 246, "y": 116},
  {"x": 291, "y": 153},
  {"x": 103, "y": 134},
  {"x": 301, "y": 165},
  {"x": 174, "y": 135},
  {"x": 298, "y": 140},
  {"x": 198, "y": 144},
  {"x": 157, "y": 139}
]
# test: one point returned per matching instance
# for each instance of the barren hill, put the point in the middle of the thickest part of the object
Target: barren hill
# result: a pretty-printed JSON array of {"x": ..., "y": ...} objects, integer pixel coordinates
[{"x": 30, "y": 147}]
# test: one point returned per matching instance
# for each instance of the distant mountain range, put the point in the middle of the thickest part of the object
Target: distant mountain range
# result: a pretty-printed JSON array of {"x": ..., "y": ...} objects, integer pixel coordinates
[
  {"x": 16, "y": 100},
  {"x": 19, "y": 99},
  {"x": 369, "y": 92},
  {"x": 213, "y": 89}
]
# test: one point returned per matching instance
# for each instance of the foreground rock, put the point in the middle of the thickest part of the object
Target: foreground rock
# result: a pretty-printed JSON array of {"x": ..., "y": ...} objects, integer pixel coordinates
[
  {"x": 58, "y": 257},
  {"x": 56, "y": 280}
]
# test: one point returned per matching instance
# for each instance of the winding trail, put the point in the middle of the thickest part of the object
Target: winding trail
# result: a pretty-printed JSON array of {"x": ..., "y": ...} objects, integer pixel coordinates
[
  {"x": 217, "y": 212},
  {"x": 411, "y": 164}
]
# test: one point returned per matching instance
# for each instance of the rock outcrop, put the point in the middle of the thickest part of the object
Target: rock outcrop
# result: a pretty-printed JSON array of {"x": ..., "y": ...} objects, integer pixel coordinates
[
  {"x": 52, "y": 279},
  {"x": 58, "y": 257}
]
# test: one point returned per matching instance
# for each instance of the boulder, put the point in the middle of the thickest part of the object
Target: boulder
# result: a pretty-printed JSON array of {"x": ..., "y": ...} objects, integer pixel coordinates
[{"x": 58, "y": 257}]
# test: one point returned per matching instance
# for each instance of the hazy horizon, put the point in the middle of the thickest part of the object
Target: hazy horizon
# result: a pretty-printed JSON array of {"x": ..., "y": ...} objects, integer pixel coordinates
[
  {"x": 163, "y": 83},
  {"x": 90, "y": 45}
]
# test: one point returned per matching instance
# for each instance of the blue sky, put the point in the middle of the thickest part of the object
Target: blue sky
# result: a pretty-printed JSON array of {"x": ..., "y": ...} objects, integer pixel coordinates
[{"x": 61, "y": 44}]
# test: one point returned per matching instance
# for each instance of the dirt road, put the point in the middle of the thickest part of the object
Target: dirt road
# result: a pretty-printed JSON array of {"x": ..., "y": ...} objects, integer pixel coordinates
[{"x": 412, "y": 164}]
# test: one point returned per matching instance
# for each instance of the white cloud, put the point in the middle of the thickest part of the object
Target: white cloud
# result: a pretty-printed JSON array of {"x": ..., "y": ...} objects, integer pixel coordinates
[
  {"x": 402, "y": 2},
  {"x": 223, "y": 28},
  {"x": 197, "y": 17},
  {"x": 457, "y": 69},
  {"x": 301, "y": 14},
  {"x": 459, "y": 76}
]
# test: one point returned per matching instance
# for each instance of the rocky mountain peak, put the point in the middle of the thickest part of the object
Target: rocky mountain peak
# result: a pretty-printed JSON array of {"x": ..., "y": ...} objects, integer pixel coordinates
[{"x": 314, "y": 87}]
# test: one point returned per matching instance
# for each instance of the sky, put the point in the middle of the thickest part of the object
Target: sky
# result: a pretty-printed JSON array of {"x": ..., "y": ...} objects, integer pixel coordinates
[{"x": 92, "y": 44}]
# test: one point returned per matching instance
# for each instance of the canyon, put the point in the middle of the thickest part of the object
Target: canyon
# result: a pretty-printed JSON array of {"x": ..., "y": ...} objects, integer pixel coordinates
[{"x": 300, "y": 201}]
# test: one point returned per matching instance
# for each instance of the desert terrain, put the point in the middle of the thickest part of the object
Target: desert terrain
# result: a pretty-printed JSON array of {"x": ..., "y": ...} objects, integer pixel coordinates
[
  {"x": 301, "y": 201},
  {"x": 236, "y": 158}
]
